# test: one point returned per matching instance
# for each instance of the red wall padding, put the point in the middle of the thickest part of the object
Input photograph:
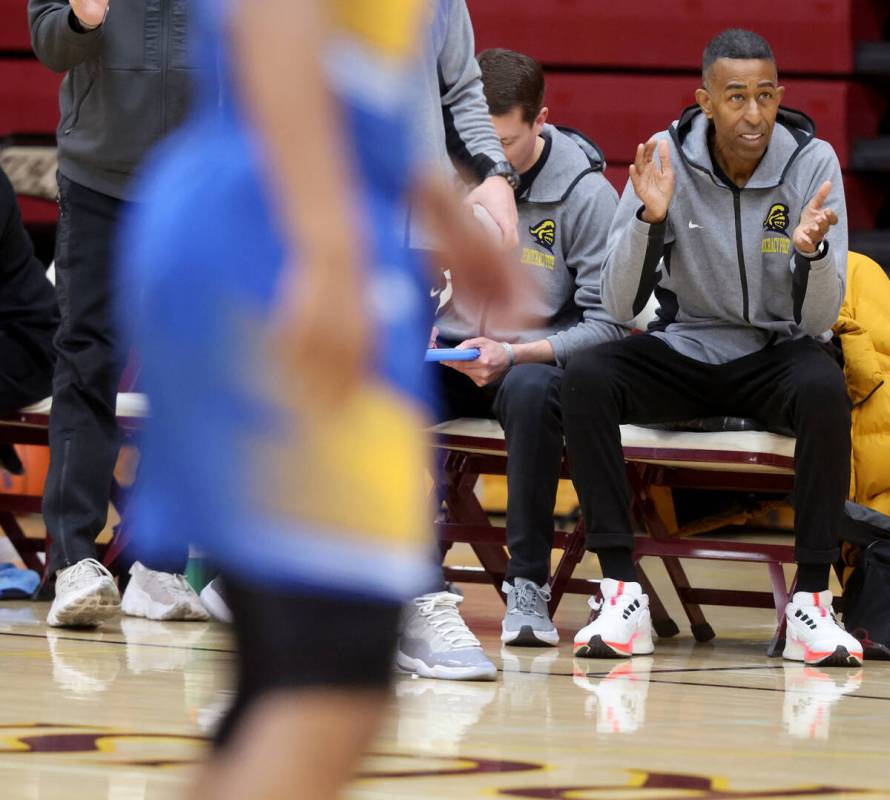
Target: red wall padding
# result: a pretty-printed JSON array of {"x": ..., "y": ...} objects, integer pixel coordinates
[
  {"x": 619, "y": 111},
  {"x": 807, "y": 36},
  {"x": 14, "y": 34},
  {"x": 29, "y": 97}
]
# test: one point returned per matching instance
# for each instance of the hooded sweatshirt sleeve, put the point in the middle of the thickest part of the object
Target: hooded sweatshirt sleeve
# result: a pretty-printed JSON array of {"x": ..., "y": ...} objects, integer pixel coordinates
[
  {"x": 817, "y": 285},
  {"x": 596, "y": 201},
  {"x": 634, "y": 250},
  {"x": 469, "y": 134},
  {"x": 56, "y": 37}
]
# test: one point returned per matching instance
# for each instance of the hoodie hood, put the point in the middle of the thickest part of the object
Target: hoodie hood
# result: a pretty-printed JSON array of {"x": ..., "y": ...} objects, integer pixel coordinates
[
  {"x": 792, "y": 132},
  {"x": 572, "y": 156}
]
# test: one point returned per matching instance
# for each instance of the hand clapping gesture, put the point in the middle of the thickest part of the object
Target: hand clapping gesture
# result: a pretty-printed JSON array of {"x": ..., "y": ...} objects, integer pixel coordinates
[
  {"x": 814, "y": 223},
  {"x": 653, "y": 182},
  {"x": 90, "y": 13}
]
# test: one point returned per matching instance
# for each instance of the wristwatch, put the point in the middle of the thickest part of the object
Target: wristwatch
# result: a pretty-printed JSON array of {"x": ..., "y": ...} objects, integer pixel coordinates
[
  {"x": 506, "y": 171},
  {"x": 820, "y": 251}
]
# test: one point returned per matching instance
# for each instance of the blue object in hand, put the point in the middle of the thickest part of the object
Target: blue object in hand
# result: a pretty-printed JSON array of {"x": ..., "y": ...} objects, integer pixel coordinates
[{"x": 452, "y": 354}]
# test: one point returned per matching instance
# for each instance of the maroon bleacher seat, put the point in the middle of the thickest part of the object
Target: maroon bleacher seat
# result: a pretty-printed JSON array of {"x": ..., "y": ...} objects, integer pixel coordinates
[{"x": 652, "y": 34}]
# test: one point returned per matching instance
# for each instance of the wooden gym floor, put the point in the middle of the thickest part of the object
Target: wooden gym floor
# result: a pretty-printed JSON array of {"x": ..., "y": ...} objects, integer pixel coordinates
[{"x": 120, "y": 713}]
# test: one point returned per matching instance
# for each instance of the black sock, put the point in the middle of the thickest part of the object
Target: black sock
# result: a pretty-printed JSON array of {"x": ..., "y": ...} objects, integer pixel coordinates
[
  {"x": 812, "y": 577},
  {"x": 617, "y": 563}
]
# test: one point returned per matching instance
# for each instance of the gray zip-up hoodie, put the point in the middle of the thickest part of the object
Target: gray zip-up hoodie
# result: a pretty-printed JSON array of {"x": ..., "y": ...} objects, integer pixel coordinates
[
  {"x": 723, "y": 267},
  {"x": 128, "y": 84},
  {"x": 564, "y": 219}
]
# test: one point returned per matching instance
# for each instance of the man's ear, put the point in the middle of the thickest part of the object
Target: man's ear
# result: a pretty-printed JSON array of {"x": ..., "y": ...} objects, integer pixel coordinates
[
  {"x": 704, "y": 102},
  {"x": 541, "y": 119},
  {"x": 780, "y": 93}
]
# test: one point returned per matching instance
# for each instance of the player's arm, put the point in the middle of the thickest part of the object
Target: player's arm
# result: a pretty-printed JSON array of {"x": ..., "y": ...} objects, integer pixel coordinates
[
  {"x": 283, "y": 85},
  {"x": 469, "y": 135},
  {"x": 819, "y": 264},
  {"x": 637, "y": 236},
  {"x": 64, "y": 34}
]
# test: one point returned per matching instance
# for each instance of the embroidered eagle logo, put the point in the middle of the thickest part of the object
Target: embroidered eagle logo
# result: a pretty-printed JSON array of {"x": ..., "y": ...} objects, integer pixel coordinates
[
  {"x": 544, "y": 233},
  {"x": 777, "y": 218}
]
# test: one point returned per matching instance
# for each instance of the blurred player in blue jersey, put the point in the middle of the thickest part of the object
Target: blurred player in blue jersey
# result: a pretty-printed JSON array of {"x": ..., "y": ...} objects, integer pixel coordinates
[{"x": 281, "y": 327}]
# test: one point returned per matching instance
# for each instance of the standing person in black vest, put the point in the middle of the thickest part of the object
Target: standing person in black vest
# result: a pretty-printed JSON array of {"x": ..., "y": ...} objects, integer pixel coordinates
[{"x": 126, "y": 86}]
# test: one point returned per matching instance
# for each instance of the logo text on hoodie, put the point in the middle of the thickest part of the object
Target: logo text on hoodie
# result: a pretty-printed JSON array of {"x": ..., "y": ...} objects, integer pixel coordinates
[{"x": 776, "y": 222}]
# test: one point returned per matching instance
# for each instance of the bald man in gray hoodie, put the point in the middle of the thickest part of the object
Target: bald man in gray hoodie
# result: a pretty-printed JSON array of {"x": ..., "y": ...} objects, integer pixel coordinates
[{"x": 735, "y": 218}]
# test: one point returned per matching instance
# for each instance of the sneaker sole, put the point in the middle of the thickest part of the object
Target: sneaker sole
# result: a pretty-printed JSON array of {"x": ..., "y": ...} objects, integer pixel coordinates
[
  {"x": 87, "y": 610},
  {"x": 841, "y": 657},
  {"x": 597, "y": 648},
  {"x": 440, "y": 672},
  {"x": 527, "y": 636}
]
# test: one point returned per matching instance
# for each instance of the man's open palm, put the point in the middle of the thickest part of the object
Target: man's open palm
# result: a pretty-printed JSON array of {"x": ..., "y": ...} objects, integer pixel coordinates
[
  {"x": 653, "y": 181},
  {"x": 91, "y": 13}
]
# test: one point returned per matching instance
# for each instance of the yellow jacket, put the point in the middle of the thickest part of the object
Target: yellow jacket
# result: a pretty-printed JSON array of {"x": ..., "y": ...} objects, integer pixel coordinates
[{"x": 864, "y": 330}]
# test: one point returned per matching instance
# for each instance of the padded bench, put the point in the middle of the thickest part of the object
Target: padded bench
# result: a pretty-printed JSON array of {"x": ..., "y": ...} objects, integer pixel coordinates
[
  {"x": 740, "y": 460},
  {"x": 30, "y": 426}
]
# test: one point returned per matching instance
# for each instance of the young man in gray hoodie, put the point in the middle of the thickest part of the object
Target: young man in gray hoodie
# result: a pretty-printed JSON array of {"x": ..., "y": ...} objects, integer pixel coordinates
[
  {"x": 735, "y": 217},
  {"x": 565, "y": 207}
]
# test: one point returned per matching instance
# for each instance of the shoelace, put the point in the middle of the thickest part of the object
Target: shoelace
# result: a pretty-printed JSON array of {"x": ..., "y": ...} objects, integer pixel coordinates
[
  {"x": 441, "y": 612},
  {"x": 527, "y": 596},
  {"x": 601, "y": 607},
  {"x": 174, "y": 582},
  {"x": 85, "y": 568}
]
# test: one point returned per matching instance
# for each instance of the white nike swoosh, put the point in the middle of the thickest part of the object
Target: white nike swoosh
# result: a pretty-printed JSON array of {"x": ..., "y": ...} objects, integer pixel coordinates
[{"x": 693, "y": 225}]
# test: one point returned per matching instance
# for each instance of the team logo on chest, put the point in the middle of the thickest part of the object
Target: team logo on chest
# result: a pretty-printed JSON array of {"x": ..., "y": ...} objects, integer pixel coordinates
[
  {"x": 544, "y": 233},
  {"x": 777, "y": 219},
  {"x": 776, "y": 222}
]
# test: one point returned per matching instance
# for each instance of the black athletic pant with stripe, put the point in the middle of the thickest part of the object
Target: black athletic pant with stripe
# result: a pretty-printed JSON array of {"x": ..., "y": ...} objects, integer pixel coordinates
[{"x": 796, "y": 385}]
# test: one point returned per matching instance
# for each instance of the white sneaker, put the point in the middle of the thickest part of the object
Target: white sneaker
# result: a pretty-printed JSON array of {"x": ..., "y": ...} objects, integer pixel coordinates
[
  {"x": 623, "y": 626},
  {"x": 161, "y": 596},
  {"x": 85, "y": 596},
  {"x": 214, "y": 599},
  {"x": 436, "y": 642},
  {"x": 814, "y": 634}
]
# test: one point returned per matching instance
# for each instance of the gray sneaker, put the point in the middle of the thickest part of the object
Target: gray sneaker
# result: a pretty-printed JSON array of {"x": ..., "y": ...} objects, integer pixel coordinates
[
  {"x": 436, "y": 642},
  {"x": 527, "y": 621}
]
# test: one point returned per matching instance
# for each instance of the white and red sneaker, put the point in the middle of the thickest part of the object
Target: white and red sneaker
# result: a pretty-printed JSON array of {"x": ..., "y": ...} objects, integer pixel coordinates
[
  {"x": 623, "y": 626},
  {"x": 814, "y": 634}
]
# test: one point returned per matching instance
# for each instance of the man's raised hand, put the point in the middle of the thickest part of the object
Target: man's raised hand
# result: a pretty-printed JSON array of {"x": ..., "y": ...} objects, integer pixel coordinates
[
  {"x": 653, "y": 182},
  {"x": 90, "y": 13},
  {"x": 814, "y": 222}
]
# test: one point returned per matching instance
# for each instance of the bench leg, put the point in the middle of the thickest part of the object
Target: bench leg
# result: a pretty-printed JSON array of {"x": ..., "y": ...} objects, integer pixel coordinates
[
  {"x": 701, "y": 629},
  {"x": 777, "y": 574},
  {"x": 17, "y": 538},
  {"x": 664, "y": 626},
  {"x": 571, "y": 557},
  {"x": 463, "y": 507}
]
